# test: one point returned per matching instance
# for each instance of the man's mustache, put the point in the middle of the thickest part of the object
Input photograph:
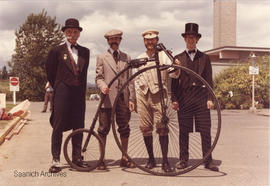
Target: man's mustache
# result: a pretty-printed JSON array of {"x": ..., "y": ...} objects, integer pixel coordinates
[
  {"x": 153, "y": 45},
  {"x": 70, "y": 37},
  {"x": 114, "y": 43}
]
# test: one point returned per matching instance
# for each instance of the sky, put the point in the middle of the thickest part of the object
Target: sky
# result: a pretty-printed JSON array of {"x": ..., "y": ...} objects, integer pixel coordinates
[{"x": 133, "y": 17}]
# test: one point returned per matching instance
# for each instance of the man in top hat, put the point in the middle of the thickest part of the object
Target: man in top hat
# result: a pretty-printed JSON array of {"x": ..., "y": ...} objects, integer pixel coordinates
[
  {"x": 66, "y": 69},
  {"x": 190, "y": 98},
  {"x": 108, "y": 65},
  {"x": 148, "y": 97}
]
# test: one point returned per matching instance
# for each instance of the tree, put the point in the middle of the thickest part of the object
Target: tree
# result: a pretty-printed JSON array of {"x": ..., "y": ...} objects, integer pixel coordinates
[
  {"x": 34, "y": 39},
  {"x": 4, "y": 72},
  {"x": 238, "y": 81}
]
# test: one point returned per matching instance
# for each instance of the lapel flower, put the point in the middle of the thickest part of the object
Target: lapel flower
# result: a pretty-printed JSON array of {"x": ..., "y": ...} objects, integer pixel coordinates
[{"x": 65, "y": 57}]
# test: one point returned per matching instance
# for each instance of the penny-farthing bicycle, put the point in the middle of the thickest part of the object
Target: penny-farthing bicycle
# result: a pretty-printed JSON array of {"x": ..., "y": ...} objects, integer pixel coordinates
[{"x": 137, "y": 153}]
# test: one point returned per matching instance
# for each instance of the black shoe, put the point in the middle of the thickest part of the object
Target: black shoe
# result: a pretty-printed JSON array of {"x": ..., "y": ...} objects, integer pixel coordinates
[
  {"x": 55, "y": 167},
  {"x": 166, "y": 167},
  {"x": 181, "y": 164},
  {"x": 126, "y": 163},
  {"x": 150, "y": 164},
  {"x": 211, "y": 166},
  {"x": 80, "y": 163},
  {"x": 102, "y": 166},
  {"x": 43, "y": 111}
]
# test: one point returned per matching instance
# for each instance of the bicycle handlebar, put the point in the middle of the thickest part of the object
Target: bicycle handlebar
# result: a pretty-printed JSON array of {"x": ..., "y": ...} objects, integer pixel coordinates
[{"x": 135, "y": 63}]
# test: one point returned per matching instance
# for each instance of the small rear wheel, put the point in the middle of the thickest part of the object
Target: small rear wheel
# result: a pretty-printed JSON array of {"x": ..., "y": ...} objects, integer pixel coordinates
[{"x": 93, "y": 153}]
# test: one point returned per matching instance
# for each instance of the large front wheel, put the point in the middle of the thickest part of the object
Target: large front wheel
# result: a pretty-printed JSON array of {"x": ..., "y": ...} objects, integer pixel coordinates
[{"x": 137, "y": 151}]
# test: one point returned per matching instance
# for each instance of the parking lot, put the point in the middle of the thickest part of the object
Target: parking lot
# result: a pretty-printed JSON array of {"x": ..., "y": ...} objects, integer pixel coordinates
[{"x": 242, "y": 149}]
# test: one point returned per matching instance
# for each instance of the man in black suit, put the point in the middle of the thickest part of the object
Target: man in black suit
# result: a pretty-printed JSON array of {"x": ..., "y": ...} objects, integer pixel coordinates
[
  {"x": 66, "y": 69},
  {"x": 191, "y": 99}
]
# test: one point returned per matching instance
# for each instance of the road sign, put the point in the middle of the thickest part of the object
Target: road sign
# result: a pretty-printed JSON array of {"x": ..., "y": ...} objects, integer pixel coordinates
[
  {"x": 253, "y": 70},
  {"x": 14, "y": 83}
]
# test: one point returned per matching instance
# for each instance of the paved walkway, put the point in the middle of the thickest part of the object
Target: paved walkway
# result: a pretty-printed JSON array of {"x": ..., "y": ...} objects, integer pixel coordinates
[{"x": 243, "y": 148}]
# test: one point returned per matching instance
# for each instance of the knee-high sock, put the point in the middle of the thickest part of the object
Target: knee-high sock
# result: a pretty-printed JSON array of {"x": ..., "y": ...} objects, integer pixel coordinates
[
  {"x": 148, "y": 140},
  {"x": 164, "y": 142}
]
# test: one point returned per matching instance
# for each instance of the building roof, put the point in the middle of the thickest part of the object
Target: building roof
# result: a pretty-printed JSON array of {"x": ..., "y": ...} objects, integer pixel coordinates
[
  {"x": 238, "y": 48},
  {"x": 235, "y": 52}
]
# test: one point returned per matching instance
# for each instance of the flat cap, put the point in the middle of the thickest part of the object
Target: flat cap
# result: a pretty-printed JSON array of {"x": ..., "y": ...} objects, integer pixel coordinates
[
  {"x": 149, "y": 34},
  {"x": 113, "y": 33}
]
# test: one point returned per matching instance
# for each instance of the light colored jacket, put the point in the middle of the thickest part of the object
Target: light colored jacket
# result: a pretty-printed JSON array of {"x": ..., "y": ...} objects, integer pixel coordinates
[
  {"x": 106, "y": 70},
  {"x": 148, "y": 80}
]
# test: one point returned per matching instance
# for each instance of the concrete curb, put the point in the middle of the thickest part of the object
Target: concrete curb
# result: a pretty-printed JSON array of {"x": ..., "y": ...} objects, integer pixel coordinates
[
  {"x": 262, "y": 114},
  {"x": 11, "y": 125}
]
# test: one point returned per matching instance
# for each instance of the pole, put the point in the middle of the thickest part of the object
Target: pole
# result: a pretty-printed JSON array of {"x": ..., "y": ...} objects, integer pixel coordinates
[
  {"x": 14, "y": 97},
  {"x": 253, "y": 109},
  {"x": 253, "y": 93}
]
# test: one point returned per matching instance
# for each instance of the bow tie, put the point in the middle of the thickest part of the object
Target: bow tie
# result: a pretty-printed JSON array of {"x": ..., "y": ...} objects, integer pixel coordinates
[
  {"x": 74, "y": 46},
  {"x": 191, "y": 51}
]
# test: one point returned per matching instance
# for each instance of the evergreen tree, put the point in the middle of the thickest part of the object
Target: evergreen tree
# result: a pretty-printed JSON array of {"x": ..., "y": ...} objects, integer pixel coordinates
[
  {"x": 4, "y": 72},
  {"x": 34, "y": 40}
]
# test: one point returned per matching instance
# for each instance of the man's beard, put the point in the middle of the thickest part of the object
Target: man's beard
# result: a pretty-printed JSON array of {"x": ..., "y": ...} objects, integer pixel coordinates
[
  {"x": 114, "y": 44},
  {"x": 150, "y": 46}
]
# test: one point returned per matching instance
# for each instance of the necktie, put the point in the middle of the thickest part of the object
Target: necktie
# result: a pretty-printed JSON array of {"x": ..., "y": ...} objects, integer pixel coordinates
[
  {"x": 115, "y": 56},
  {"x": 191, "y": 51},
  {"x": 74, "y": 46}
]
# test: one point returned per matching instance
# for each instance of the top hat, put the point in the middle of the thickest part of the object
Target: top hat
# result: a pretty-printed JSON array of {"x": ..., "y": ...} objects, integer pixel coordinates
[
  {"x": 113, "y": 33},
  {"x": 71, "y": 23},
  {"x": 192, "y": 28},
  {"x": 149, "y": 34}
]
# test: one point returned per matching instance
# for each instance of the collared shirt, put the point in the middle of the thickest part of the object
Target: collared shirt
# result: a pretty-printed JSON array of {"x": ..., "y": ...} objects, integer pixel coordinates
[
  {"x": 192, "y": 55},
  {"x": 73, "y": 51},
  {"x": 111, "y": 51}
]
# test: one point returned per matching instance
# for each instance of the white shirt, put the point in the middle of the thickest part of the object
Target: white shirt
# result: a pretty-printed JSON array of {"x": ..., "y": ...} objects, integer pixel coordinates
[
  {"x": 111, "y": 50},
  {"x": 73, "y": 51},
  {"x": 192, "y": 55}
]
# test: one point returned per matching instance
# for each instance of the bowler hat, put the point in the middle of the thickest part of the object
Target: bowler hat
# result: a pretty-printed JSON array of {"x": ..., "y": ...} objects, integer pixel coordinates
[
  {"x": 71, "y": 23},
  {"x": 192, "y": 28}
]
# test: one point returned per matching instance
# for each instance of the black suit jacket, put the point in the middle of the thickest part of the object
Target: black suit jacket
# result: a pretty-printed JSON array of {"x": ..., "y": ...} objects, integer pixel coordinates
[
  {"x": 60, "y": 74},
  {"x": 59, "y": 66},
  {"x": 202, "y": 66}
]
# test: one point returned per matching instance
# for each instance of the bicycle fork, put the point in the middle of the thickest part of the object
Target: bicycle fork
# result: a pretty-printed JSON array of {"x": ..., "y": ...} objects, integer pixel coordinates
[{"x": 164, "y": 118}]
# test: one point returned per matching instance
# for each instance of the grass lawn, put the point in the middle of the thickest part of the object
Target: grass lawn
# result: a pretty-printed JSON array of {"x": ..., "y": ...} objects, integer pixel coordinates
[{"x": 4, "y": 85}]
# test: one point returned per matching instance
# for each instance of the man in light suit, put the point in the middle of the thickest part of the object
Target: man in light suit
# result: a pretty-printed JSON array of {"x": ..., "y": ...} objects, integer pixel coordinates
[
  {"x": 66, "y": 69},
  {"x": 148, "y": 97},
  {"x": 109, "y": 64}
]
